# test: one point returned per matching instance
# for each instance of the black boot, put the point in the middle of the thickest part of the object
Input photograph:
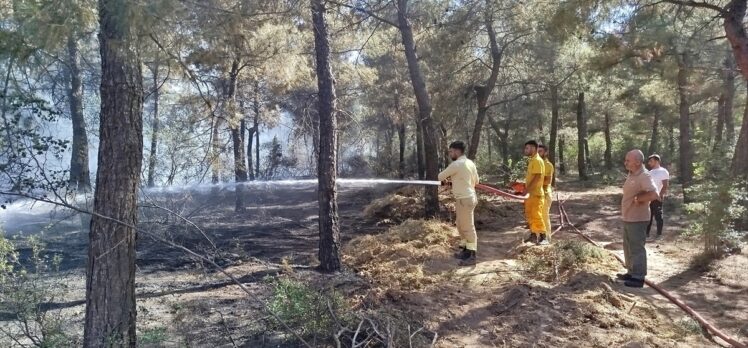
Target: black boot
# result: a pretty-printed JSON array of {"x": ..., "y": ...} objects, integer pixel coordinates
[
  {"x": 460, "y": 254},
  {"x": 470, "y": 259}
]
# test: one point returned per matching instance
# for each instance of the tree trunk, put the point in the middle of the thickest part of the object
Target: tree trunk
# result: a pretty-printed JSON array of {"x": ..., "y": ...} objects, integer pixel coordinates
[
  {"x": 216, "y": 150},
  {"x": 110, "y": 281},
  {"x": 554, "y": 124},
  {"x": 740, "y": 159},
  {"x": 423, "y": 100},
  {"x": 720, "y": 128},
  {"x": 686, "y": 151},
  {"x": 419, "y": 150},
  {"x": 561, "y": 143},
  {"x": 728, "y": 90},
  {"x": 257, "y": 145},
  {"x": 402, "y": 139},
  {"x": 329, "y": 230},
  {"x": 608, "y": 157},
  {"x": 736, "y": 34},
  {"x": 152, "y": 155},
  {"x": 581, "y": 137},
  {"x": 235, "y": 118},
  {"x": 484, "y": 92},
  {"x": 250, "y": 165},
  {"x": 655, "y": 138},
  {"x": 80, "y": 178}
]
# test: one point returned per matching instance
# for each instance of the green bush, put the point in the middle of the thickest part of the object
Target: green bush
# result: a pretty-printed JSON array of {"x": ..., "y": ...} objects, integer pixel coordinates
[
  {"x": 24, "y": 288},
  {"x": 715, "y": 209},
  {"x": 314, "y": 314}
]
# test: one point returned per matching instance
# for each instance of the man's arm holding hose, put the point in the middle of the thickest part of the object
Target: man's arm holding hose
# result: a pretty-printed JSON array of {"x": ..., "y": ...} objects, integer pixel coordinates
[{"x": 447, "y": 172}]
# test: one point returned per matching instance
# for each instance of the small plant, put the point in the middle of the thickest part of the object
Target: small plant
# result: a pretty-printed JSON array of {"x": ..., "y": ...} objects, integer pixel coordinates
[
  {"x": 24, "y": 289},
  {"x": 689, "y": 326},
  {"x": 314, "y": 314},
  {"x": 155, "y": 335}
]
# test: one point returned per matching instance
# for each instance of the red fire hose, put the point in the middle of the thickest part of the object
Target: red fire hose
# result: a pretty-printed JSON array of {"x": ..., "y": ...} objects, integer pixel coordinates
[
  {"x": 489, "y": 189},
  {"x": 704, "y": 324}
]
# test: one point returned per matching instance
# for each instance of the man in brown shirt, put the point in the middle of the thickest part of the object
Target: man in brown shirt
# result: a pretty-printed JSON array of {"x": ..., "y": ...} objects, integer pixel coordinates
[{"x": 638, "y": 190}]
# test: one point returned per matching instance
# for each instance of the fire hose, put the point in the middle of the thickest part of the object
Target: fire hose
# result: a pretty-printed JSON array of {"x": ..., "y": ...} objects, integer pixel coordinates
[{"x": 564, "y": 219}]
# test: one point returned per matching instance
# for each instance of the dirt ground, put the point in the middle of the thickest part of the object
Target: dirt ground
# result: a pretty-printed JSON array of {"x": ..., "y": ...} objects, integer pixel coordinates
[{"x": 496, "y": 303}]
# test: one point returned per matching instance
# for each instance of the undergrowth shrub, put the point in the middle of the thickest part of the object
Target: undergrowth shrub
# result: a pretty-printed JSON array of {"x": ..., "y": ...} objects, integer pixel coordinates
[
  {"x": 24, "y": 289},
  {"x": 715, "y": 211},
  {"x": 562, "y": 258}
]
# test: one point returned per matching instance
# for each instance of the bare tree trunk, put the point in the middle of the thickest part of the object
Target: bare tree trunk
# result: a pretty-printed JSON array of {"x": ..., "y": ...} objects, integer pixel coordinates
[
  {"x": 740, "y": 159},
  {"x": 419, "y": 150},
  {"x": 250, "y": 164},
  {"x": 720, "y": 128},
  {"x": 554, "y": 124},
  {"x": 110, "y": 271},
  {"x": 232, "y": 113},
  {"x": 561, "y": 143},
  {"x": 736, "y": 34},
  {"x": 424, "y": 108},
  {"x": 152, "y": 155},
  {"x": 655, "y": 138},
  {"x": 216, "y": 149},
  {"x": 257, "y": 146},
  {"x": 80, "y": 178},
  {"x": 402, "y": 139},
  {"x": 608, "y": 144},
  {"x": 686, "y": 151},
  {"x": 329, "y": 230},
  {"x": 729, "y": 100},
  {"x": 484, "y": 92},
  {"x": 581, "y": 137}
]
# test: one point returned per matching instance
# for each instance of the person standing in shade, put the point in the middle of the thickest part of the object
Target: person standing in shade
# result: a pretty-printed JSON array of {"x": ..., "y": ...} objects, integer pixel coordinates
[
  {"x": 462, "y": 175},
  {"x": 534, "y": 204},
  {"x": 661, "y": 179},
  {"x": 638, "y": 191},
  {"x": 547, "y": 189}
]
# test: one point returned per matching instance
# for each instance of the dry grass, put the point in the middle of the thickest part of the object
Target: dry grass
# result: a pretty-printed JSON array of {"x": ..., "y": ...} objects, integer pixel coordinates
[
  {"x": 409, "y": 256},
  {"x": 403, "y": 204}
]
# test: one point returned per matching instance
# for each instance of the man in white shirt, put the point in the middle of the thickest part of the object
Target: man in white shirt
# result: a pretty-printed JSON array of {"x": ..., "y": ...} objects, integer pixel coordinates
[{"x": 661, "y": 178}]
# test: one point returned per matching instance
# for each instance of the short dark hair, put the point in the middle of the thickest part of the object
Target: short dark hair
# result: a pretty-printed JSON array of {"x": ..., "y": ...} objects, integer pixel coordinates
[
  {"x": 532, "y": 143},
  {"x": 542, "y": 146},
  {"x": 654, "y": 157},
  {"x": 457, "y": 145}
]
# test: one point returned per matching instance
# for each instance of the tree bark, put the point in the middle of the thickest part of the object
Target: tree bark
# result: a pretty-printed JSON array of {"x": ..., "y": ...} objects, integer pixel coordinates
[
  {"x": 581, "y": 137},
  {"x": 740, "y": 159},
  {"x": 110, "y": 281},
  {"x": 655, "y": 138},
  {"x": 561, "y": 143},
  {"x": 720, "y": 127},
  {"x": 80, "y": 178},
  {"x": 423, "y": 100},
  {"x": 484, "y": 92},
  {"x": 686, "y": 151},
  {"x": 608, "y": 157},
  {"x": 216, "y": 148},
  {"x": 235, "y": 118},
  {"x": 419, "y": 149},
  {"x": 728, "y": 89},
  {"x": 554, "y": 123},
  {"x": 329, "y": 229},
  {"x": 153, "y": 153},
  {"x": 736, "y": 34},
  {"x": 402, "y": 139}
]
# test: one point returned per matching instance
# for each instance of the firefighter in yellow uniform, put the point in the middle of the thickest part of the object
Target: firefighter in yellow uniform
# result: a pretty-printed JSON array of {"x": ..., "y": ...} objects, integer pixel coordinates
[
  {"x": 534, "y": 188},
  {"x": 547, "y": 189},
  {"x": 462, "y": 175}
]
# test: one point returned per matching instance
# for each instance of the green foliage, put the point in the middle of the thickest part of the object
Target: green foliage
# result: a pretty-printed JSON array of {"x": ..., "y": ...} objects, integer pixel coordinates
[
  {"x": 716, "y": 208},
  {"x": 155, "y": 336},
  {"x": 314, "y": 314},
  {"x": 24, "y": 289}
]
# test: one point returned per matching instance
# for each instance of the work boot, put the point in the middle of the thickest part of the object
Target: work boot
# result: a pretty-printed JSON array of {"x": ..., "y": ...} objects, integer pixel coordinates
[
  {"x": 542, "y": 240},
  {"x": 462, "y": 253},
  {"x": 623, "y": 276},
  {"x": 470, "y": 259},
  {"x": 634, "y": 283}
]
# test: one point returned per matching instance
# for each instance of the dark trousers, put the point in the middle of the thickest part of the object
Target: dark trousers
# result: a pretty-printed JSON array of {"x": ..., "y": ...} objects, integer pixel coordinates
[
  {"x": 634, "y": 251},
  {"x": 656, "y": 215}
]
